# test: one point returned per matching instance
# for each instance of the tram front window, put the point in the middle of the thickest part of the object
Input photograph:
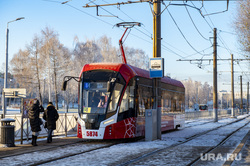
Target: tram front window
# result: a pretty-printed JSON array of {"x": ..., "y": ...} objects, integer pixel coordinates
[{"x": 95, "y": 97}]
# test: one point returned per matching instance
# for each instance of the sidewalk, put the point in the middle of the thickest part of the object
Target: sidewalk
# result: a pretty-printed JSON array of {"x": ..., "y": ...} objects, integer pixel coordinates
[{"x": 26, "y": 147}]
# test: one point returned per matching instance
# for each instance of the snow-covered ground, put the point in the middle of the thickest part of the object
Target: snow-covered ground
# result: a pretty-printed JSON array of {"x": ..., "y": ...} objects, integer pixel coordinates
[{"x": 123, "y": 152}]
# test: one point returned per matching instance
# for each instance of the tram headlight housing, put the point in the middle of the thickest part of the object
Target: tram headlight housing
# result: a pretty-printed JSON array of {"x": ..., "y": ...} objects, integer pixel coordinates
[
  {"x": 84, "y": 116},
  {"x": 108, "y": 121}
]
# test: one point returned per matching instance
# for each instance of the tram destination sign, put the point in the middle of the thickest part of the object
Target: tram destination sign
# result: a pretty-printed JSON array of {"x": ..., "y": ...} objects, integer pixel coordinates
[{"x": 156, "y": 67}]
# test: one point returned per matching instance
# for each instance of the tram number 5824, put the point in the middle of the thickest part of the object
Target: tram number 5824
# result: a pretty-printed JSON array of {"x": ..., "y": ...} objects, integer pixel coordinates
[{"x": 91, "y": 133}]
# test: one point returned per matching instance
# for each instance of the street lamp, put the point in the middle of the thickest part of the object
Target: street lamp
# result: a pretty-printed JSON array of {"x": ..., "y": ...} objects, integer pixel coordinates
[{"x": 6, "y": 64}]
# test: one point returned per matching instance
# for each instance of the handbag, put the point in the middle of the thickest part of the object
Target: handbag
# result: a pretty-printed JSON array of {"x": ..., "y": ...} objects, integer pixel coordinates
[{"x": 45, "y": 125}]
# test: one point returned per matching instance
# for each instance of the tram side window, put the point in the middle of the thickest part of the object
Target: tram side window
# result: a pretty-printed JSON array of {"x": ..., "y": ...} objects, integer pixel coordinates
[
  {"x": 173, "y": 105},
  {"x": 115, "y": 97},
  {"x": 144, "y": 99},
  {"x": 166, "y": 102},
  {"x": 128, "y": 98}
]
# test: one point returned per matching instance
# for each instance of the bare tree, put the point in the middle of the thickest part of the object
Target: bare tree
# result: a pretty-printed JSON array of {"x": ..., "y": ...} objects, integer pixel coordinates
[
  {"x": 108, "y": 52},
  {"x": 196, "y": 92},
  {"x": 136, "y": 57},
  {"x": 22, "y": 71},
  {"x": 36, "y": 63},
  {"x": 242, "y": 25},
  {"x": 57, "y": 58},
  {"x": 86, "y": 52}
]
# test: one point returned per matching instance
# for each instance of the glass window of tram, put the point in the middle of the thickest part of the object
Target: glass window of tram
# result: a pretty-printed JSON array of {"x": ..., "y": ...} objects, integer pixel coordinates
[
  {"x": 128, "y": 98},
  {"x": 115, "y": 97},
  {"x": 93, "y": 88}
]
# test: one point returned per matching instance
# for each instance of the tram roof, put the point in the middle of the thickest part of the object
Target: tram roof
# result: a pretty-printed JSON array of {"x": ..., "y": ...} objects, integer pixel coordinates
[{"x": 128, "y": 71}]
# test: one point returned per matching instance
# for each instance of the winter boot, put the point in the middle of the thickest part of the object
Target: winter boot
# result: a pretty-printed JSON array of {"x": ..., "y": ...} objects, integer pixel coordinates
[{"x": 34, "y": 142}]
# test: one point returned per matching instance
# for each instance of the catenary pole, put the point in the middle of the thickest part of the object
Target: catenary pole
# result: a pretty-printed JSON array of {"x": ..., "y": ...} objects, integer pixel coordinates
[
  {"x": 247, "y": 97},
  {"x": 215, "y": 95},
  {"x": 241, "y": 96},
  {"x": 232, "y": 86},
  {"x": 157, "y": 53}
]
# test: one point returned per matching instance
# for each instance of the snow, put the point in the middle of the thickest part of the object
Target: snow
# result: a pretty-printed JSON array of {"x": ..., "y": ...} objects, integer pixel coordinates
[{"x": 113, "y": 155}]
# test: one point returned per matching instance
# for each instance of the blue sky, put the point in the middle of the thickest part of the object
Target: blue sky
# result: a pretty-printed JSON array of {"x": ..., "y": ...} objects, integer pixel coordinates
[{"x": 71, "y": 20}]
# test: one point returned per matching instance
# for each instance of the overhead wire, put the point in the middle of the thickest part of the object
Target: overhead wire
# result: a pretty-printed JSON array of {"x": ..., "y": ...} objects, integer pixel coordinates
[
  {"x": 223, "y": 42},
  {"x": 164, "y": 47},
  {"x": 119, "y": 18},
  {"x": 89, "y": 14},
  {"x": 200, "y": 52},
  {"x": 129, "y": 17},
  {"x": 182, "y": 33},
  {"x": 194, "y": 24}
]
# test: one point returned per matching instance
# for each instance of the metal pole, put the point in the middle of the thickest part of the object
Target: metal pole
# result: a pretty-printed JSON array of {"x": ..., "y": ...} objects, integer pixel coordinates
[
  {"x": 49, "y": 83},
  {"x": 157, "y": 53},
  {"x": 247, "y": 97},
  {"x": 241, "y": 97},
  {"x": 66, "y": 129},
  {"x": 21, "y": 120},
  {"x": 6, "y": 64},
  {"x": 3, "y": 106},
  {"x": 232, "y": 86},
  {"x": 221, "y": 100},
  {"x": 43, "y": 91},
  {"x": 215, "y": 95},
  {"x": 6, "y": 71}
]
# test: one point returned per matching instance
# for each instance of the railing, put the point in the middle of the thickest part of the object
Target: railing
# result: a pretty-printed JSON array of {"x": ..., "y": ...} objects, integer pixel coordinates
[
  {"x": 205, "y": 114},
  {"x": 65, "y": 125}
]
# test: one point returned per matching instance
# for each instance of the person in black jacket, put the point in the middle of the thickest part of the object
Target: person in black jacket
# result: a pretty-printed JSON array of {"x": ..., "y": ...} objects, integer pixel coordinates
[
  {"x": 35, "y": 121},
  {"x": 51, "y": 116}
]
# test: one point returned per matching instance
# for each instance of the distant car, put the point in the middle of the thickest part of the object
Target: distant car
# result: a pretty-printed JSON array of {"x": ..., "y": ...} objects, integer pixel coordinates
[{"x": 203, "y": 107}]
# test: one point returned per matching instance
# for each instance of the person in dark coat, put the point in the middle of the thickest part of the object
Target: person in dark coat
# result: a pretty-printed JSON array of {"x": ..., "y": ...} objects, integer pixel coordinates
[
  {"x": 35, "y": 121},
  {"x": 51, "y": 116}
]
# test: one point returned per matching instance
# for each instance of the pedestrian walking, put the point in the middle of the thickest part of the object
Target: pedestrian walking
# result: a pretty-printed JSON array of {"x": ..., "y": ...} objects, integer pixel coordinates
[
  {"x": 35, "y": 121},
  {"x": 51, "y": 116}
]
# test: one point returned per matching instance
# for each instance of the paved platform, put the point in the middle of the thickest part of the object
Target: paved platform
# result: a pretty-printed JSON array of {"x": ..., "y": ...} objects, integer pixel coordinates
[{"x": 42, "y": 144}]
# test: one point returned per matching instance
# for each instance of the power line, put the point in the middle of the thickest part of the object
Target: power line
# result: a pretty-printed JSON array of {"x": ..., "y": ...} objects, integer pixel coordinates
[
  {"x": 89, "y": 14},
  {"x": 182, "y": 32},
  {"x": 195, "y": 25},
  {"x": 200, "y": 52},
  {"x": 128, "y": 17},
  {"x": 118, "y": 17}
]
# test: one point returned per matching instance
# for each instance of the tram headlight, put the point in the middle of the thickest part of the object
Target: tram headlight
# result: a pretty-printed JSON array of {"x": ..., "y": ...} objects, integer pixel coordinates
[
  {"x": 84, "y": 116},
  {"x": 108, "y": 121}
]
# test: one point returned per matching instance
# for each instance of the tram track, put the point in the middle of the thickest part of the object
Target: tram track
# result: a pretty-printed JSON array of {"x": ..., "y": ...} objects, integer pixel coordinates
[
  {"x": 208, "y": 121},
  {"x": 39, "y": 150},
  {"x": 108, "y": 144},
  {"x": 69, "y": 155},
  {"x": 152, "y": 153},
  {"x": 71, "y": 149},
  {"x": 212, "y": 149},
  {"x": 114, "y": 142}
]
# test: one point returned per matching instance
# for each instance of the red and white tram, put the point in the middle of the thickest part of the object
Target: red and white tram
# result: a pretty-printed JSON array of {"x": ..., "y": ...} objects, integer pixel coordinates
[{"x": 113, "y": 98}]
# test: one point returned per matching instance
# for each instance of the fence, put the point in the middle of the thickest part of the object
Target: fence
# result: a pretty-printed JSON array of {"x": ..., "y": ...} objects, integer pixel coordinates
[
  {"x": 65, "y": 125},
  {"x": 205, "y": 114}
]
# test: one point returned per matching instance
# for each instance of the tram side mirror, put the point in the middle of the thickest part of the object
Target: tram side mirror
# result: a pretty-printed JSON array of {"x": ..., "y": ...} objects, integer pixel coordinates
[
  {"x": 108, "y": 86},
  {"x": 64, "y": 85}
]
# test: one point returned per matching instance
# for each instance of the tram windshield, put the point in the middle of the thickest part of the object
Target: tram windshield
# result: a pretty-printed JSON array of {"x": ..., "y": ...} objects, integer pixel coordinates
[{"x": 100, "y": 92}]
